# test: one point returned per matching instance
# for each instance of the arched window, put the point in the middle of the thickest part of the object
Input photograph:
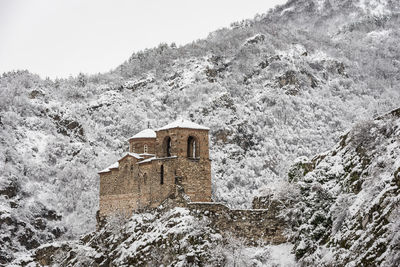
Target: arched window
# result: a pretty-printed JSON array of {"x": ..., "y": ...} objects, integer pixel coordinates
[
  {"x": 145, "y": 148},
  {"x": 162, "y": 174},
  {"x": 167, "y": 146},
  {"x": 192, "y": 147}
]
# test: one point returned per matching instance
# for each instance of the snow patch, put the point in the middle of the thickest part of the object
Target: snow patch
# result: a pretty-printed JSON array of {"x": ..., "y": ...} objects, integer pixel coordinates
[
  {"x": 374, "y": 7},
  {"x": 282, "y": 255},
  {"x": 286, "y": 10}
]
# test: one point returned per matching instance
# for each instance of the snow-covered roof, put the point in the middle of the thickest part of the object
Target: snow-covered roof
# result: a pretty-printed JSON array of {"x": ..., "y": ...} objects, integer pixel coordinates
[
  {"x": 155, "y": 158},
  {"x": 113, "y": 166},
  {"x": 148, "y": 133},
  {"x": 146, "y": 160},
  {"x": 135, "y": 155},
  {"x": 181, "y": 123},
  {"x": 146, "y": 154},
  {"x": 116, "y": 164}
]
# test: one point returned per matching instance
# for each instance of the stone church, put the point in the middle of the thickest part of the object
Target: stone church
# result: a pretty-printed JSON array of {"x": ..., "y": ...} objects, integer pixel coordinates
[{"x": 176, "y": 155}]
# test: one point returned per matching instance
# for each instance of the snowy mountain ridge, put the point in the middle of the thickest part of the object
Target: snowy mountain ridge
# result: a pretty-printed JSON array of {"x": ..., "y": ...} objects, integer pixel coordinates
[{"x": 282, "y": 85}]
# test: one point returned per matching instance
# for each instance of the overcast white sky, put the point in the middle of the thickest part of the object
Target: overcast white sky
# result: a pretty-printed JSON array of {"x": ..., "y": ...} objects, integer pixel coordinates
[{"x": 58, "y": 38}]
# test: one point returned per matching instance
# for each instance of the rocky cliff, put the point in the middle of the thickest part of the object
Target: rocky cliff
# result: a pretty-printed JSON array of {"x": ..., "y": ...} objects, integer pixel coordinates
[{"x": 348, "y": 209}]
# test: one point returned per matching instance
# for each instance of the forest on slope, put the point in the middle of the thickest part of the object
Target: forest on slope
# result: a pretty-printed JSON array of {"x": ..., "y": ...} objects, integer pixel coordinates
[
  {"x": 344, "y": 205},
  {"x": 285, "y": 84}
]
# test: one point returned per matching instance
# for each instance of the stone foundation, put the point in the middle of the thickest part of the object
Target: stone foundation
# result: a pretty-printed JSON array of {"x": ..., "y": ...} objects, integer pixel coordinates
[{"x": 117, "y": 204}]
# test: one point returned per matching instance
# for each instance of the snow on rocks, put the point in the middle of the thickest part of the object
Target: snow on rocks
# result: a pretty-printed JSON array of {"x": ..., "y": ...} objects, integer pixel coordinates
[
  {"x": 355, "y": 186},
  {"x": 173, "y": 237},
  {"x": 258, "y": 38}
]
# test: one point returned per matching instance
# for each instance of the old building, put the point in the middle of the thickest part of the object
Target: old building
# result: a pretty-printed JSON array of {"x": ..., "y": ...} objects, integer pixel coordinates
[{"x": 158, "y": 162}]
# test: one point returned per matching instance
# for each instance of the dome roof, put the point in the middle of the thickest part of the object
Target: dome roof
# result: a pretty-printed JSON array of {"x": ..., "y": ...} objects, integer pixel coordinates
[{"x": 148, "y": 133}]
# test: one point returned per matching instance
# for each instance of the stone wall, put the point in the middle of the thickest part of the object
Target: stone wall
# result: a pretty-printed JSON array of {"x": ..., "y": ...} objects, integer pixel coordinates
[
  {"x": 179, "y": 138},
  {"x": 195, "y": 177},
  {"x": 254, "y": 225},
  {"x": 141, "y": 181},
  {"x": 268, "y": 202},
  {"x": 118, "y": 189},
  {"x": 117, "y": 204},
  {"x": 193, "y": 174},
  {"x": 136, "y": 145},
  {"x": 153, "y": 192}
]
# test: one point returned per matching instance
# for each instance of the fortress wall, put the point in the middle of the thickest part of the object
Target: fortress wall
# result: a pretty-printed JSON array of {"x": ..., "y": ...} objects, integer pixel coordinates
[{"x": 253, "y": 225}]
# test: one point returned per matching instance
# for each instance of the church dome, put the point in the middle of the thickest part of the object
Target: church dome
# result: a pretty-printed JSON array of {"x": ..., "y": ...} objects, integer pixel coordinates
[{"x": 148, "y": 133}]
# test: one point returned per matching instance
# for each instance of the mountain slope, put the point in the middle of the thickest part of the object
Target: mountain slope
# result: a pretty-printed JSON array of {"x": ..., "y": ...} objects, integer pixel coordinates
[
  {"x": 285, "y": 84},
  {"x": 349, "y": 207},
  {"x": 343, "y": 206},
  {"x": 171, "y": 238}
]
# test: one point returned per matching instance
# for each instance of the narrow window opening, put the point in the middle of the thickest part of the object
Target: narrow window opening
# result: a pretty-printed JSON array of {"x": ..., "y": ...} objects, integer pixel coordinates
[
  {"x": 192, "y": 148},
  {"x": 167, "y": 146},
  {"x": 145, "y": 148},
  {"x": 162, "y": 174}
]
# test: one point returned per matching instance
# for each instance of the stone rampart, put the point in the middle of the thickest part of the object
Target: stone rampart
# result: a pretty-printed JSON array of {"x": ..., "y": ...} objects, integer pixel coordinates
[{"x": 254, "y": 225}]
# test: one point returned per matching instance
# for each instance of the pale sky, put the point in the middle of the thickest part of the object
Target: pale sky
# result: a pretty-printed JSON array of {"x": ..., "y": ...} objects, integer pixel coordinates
[{"x": 58, "y": 38}]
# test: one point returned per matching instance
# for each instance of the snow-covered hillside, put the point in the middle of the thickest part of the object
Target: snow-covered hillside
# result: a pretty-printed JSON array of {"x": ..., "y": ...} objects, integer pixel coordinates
[
  {"x": 285, "y": 84},
  {"x": 170, "y": 238},
  {"x": 348, "y": 210}
]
